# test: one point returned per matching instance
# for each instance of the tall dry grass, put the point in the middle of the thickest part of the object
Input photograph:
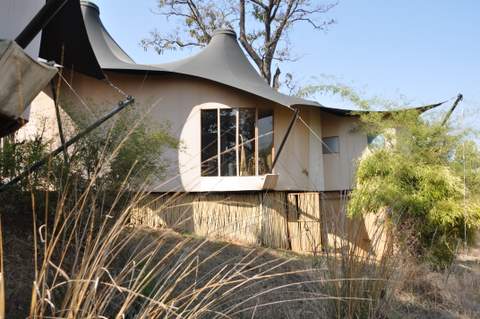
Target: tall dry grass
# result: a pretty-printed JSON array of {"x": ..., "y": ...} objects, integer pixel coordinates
[
  {"x": 90, "y": 262},
  {"x": 363, "y": 277}
]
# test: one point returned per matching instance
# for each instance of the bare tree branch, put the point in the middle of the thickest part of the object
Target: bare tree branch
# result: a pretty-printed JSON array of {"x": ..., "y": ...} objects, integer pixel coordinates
[
  {"x": 260, "y": 3},
  {"x": 198, "y": 19},
  {"x": 262, "y": 25},
  {"x": 243, "y": 37}
]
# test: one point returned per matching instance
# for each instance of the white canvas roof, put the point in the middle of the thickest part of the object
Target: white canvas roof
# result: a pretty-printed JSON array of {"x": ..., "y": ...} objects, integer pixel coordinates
[{"x": 90, "y": 49}]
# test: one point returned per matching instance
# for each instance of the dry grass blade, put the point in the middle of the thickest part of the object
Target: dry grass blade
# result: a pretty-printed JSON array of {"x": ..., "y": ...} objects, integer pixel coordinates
[{"x": 2, "y": 276}]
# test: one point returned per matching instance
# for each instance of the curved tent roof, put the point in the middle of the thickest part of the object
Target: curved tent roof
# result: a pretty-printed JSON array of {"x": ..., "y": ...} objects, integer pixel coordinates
[{"x": 90, "y": 49}]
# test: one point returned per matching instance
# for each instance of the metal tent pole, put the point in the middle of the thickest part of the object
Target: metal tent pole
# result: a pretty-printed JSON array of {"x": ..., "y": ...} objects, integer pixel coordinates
[
  {"x": 41, "y": 19},
  {"x": 35, "y": 166},
  {"x": 449, "y": 113}
]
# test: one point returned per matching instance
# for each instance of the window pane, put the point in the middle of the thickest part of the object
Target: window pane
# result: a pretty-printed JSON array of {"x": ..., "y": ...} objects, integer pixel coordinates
[
  {"x": 228, "y": 154},
  {"x": 246, "y": 141},
  {"x": 209, "y": 143},
  {"x": 376, "y": 141},
  {"x": 330, "y": 145},
  {"x": 265, "y": 141}
]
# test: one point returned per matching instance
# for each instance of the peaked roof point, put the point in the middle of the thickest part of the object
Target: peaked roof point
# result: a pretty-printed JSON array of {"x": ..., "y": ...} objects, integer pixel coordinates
[
  {"x": 226, "y": 31},
  {"x": 91, "y": 50},
  {"x": 90, "y": 4}
]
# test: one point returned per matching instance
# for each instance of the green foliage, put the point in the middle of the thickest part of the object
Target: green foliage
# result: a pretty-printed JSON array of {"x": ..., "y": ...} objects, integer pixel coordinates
[
  {"x": 130, "y": 149},
  {"x": 126, "y": 148},
  {"x": 424, "y": 175},
  {"x": 417, "y": 178},
  {"x": 467, "y": 163},
  {"x": 16, "y": 156}
]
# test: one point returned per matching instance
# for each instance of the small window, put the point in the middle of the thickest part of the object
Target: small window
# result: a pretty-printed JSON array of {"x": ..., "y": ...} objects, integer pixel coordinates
[
  {"x": 375, "y": 141},
  {"x": 331, "y": 145}
]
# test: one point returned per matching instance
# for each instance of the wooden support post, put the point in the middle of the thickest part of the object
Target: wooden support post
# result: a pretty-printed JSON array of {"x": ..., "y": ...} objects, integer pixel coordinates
[
  {"x": 55, "y": 96},
  {"x": 287, "y": 214}
]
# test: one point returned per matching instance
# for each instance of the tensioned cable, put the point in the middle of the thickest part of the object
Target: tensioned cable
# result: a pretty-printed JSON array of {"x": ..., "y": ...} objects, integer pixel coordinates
[
  {"x": 77, "y": 95},
  {"x": 316, "y": 136},
  {"x": 113, "y": 86}
]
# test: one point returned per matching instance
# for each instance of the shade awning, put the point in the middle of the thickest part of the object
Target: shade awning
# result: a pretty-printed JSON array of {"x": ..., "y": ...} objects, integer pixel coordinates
[{"x": 22, "y": 78}]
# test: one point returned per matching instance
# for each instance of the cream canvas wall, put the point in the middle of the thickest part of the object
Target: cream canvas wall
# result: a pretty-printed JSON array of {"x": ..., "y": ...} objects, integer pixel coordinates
[
  {"x": 178, "y": 100},
  {"x": 340, "y": 168},
  {"x": 43, "y": 121}
]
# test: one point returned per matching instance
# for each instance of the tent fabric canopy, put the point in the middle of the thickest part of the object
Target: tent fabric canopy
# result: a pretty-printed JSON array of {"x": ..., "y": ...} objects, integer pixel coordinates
[
  {"x": 22, "y": 79},
  {"x": 90, "y": 49}
]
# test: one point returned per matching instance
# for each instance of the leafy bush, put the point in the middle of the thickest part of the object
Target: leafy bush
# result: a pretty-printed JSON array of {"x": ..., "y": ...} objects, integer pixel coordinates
[
  {"x": 16, "y": 156},
  {"x": 418, "y": 177},
  {"x": 425, "y": 175},
  {"x": 127, "y": 147}
]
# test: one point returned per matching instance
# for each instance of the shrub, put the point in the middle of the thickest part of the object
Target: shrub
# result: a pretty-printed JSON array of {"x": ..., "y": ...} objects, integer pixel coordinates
[
  {"x": 128, "y": 143},
  {"x": 417, "y": 177},
  {"x": 424, "y": 174},
  {"x": 16, "y": 156}
]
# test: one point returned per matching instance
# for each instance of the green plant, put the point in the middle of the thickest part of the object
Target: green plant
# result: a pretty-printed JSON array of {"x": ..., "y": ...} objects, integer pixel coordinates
[
  {"x": 417, "y": 178},
  {"x": 142, "y": 148},
  {"x": 425, "y": 175},
  {"x": 17, "y": 155}
]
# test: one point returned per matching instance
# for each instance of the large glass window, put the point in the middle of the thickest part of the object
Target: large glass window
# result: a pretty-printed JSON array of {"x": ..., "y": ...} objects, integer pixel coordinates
[
  {"x": 236, "y": 142},
  {"x": 265, "y": 141},
  {"x": 209, "y": 142},
  {"x": 228, "y": 142},
  {"x": 246, "y": 142}
]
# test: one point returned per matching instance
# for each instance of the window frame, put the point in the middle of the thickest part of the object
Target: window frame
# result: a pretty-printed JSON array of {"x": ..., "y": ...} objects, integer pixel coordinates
[
  {"x": 219, "y": 135},
  {"x": 324, "y": 143}
]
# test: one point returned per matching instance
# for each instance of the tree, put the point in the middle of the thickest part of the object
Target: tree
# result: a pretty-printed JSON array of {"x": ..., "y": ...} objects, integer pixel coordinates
[
  {"x": 262, "y": 27},
  {"x": 424, "y": 175},
  {"x": 417, "y": 178}
]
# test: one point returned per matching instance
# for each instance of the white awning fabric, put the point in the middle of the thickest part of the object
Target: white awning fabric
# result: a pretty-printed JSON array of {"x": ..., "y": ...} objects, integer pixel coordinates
[{"x": 21, "y": 79}]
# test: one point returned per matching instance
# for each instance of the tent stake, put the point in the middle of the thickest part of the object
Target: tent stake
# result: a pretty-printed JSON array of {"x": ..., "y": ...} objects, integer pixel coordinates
[{"x": 35, "y": 166}]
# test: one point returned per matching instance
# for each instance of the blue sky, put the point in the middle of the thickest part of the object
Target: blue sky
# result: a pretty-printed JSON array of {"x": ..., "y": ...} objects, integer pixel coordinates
[{"x": 427, "y": 51}]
